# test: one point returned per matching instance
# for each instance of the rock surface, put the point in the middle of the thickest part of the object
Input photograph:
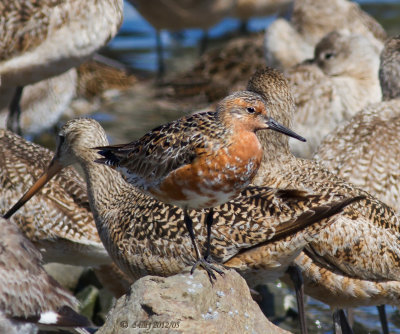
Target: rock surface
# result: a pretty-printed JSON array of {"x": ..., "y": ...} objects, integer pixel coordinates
[{"x": 187, "y": 303}]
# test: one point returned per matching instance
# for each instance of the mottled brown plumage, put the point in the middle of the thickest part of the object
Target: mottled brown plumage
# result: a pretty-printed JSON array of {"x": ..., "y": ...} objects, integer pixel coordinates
[
  {"x": 58, "y": 221},
  {"x": 96, "y": 79},
  {"x": 366, "y": 149},
  {"x": 27, "y": 292},
  {"x": 145, "y": 236},
  {"x": 221, "y": 71},
  {"x": 356, "y": 260},
  {"x": 199, "y": 161},
  {"x": 40, "y": 37}
]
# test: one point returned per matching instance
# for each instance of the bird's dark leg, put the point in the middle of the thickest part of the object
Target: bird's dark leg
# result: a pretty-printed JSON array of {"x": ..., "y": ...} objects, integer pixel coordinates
[
  {"x": 340, "y": 323},
  {"x": 244, "y": 27},
  {"x": 160, "y": 55},
  {"x": 297, "y": 279},
  {"x": 200, "y": 260},
  {"x": 383, "y": 319},
  {"x": 204, "y": 42},
  {"x": 209, "y": 222},
  {"x": 13, "y": 121}
]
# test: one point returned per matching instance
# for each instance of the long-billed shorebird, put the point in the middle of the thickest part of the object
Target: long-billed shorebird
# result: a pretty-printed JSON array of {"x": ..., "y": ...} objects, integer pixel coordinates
[
  {"x": 261, "y": 231},
  {"x": 58, "y": 221},
  {"x": 199, "y": 161},
  {"x": 340, "y": 80},
  {"x": 366, "y": 149},
  {"x": 29, "y": 297},
  {"x": 289, "y": 43},
  {"x": 42, "y": 39},
  {"x": 356, "y": 260}
]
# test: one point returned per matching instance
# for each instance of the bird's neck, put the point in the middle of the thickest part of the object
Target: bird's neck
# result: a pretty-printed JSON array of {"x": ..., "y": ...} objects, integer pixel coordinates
[
  {"x": 106, "y": 190},
  {"x": 276, "y": 157}
]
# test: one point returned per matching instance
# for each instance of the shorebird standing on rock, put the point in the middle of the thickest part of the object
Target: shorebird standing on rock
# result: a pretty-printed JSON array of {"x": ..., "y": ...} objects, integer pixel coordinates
[
  {"x": 259, "y": 233},
  {"x": 199, "y": 161}
]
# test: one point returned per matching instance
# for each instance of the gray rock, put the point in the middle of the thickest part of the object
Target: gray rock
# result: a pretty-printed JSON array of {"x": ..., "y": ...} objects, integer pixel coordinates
[{"x": 187, "y": 303}]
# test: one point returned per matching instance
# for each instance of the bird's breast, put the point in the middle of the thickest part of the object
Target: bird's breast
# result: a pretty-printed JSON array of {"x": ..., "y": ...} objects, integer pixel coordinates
[{"x": 214, "y": 177}]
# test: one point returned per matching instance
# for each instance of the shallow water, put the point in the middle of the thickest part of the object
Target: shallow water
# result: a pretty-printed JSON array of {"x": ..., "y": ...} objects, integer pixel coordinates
[{"x": 135, "y": 112}]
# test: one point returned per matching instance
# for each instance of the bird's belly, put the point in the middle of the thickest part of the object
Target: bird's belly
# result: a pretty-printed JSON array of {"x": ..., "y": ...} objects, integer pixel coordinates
[{"x": 208, "y": 182}]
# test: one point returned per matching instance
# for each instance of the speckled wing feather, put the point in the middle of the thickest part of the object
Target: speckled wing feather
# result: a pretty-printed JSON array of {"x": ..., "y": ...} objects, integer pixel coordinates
[
  {"x": 165, "y": 148},
  {"x": 26, "y": 290},
  {"x": 221, "y": 71},
  {"x": 366, "y": 151},
  {"x": 22, "y": 163},
  {"x": 62, "y": 224},
  {"x": 347, "y": 244},
  {"x": 156, "y": 234},
  {"x": 33, "y": 16},
  {"x": 277, "y": 212}
]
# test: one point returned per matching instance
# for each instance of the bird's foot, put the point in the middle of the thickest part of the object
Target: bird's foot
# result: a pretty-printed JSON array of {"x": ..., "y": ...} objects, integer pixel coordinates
[{"x": 208, "y": 267}]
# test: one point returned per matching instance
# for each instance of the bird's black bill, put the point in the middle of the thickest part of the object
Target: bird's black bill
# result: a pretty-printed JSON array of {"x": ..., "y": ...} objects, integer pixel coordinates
[{"x": 274, "y": 125}]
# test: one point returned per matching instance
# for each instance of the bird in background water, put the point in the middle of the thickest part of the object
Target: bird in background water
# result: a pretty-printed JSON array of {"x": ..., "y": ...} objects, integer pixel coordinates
[{"x": 199, "y": 161}]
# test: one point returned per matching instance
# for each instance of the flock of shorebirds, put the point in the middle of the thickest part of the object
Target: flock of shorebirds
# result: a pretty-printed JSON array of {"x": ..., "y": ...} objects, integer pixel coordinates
[{"x": 225, "y": 186}]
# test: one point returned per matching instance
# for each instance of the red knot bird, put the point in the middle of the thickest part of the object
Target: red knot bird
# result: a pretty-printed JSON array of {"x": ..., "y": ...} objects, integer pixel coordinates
[
  {"x": 340, "y": 80},
  {"x": 200, "y": 161},
  {"x": 259, "y": 233},
  {"x": 29, "y": 297},
  {"x": 354, "y": 261},
  {"x": 366, "y": 149},
  {"x": 42, "y": 39},
  {"x": 289, "y": 43}
]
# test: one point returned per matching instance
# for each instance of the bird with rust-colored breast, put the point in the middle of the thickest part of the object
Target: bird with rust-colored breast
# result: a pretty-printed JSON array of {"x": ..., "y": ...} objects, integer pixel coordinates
[
  {"x": 258, "y": 233},
  {"x": 199, "y": 161}
]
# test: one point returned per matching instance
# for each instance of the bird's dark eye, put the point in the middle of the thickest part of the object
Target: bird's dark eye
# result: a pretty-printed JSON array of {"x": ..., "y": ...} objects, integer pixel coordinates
[
  {"x": 251, "y": 110},
  {"x": 329, "y": 55}
]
